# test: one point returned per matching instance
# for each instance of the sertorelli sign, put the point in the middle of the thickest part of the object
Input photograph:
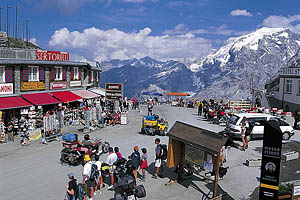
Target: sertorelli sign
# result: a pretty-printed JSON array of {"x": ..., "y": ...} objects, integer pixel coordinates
[{"x": 52, "y": 55}]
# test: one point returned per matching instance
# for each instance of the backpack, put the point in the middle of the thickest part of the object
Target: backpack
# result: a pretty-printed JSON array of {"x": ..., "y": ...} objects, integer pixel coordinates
[
  {"x": 164, "y": 153},
  {"x": 105, "y": 169},
  {"x": 94, "y": 172},
  {"x": 80, "y": 192}
]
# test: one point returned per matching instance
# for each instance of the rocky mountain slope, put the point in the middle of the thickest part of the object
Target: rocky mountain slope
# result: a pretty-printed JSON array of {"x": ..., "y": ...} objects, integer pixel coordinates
[{"x": 222, "y": 74}]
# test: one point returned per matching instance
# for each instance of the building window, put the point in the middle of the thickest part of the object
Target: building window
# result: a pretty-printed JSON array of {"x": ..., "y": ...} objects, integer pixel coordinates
[
  {"x": 33, "y": 73},
  {"x": 76, "y": 73},
  {"x": 92, "y": 76},
  {"x": 2, "y": 74},
  {"x": 97, "y": 76},
  {"x": 289, "y": 84},
  {"x": 58, "y": 73}
]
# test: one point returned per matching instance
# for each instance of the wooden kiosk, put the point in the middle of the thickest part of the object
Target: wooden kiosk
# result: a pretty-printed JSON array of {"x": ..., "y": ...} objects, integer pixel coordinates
[{"x": 195, "y": 146}]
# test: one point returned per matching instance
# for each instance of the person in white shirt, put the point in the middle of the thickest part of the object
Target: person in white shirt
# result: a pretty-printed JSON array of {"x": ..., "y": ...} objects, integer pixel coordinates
[
  {"x": 86, "y": 178},
  {"x": 100, "y": 180},
  {"x": 111, "y": 159}
]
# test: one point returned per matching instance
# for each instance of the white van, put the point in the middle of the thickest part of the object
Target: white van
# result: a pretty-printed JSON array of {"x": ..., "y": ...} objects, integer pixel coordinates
[{"x": 233, "y": 127}]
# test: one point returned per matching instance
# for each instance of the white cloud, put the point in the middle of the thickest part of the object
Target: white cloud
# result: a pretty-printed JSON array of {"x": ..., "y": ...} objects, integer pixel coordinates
[
  {"x": 34, "y": 41},
  {"x": 113, "y": 43},
  {"x": 239, "y": 12},
  {"x": 290, "y": 22},
  {"x": 182, "y": 29}
]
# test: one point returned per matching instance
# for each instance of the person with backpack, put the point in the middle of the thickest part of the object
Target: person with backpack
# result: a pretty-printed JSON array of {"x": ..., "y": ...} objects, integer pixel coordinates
[
  {"x": 136, "y": 161},
  {"x": 72, "y": 188},
  {"x": 89, "y": 175},
  {"x": 160, "y": 155}
]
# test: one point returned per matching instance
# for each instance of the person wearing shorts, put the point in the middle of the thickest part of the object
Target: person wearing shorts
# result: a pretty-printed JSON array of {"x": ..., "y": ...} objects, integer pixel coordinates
[
  {"x": 88, "y": 184},
  {"x": 158, "y": 160},
  {"x": 111, "y": 159}
]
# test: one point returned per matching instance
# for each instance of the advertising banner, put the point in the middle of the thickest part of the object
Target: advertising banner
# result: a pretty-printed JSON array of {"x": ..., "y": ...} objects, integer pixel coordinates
[
  {"x": 58, "y": 85},
  {"x": 52, "y": 55},
  {"x": 7, "y": 88},
  {"x": 270, "y": 166},
  {"x": 114, "y": 86},
  {"x": 32, "y": 86},
  {"x": 75, "y": 83}
]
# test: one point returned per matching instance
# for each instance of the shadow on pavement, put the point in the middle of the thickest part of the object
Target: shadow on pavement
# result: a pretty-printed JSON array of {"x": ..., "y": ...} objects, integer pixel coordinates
[{"x": 189, "y": 181}]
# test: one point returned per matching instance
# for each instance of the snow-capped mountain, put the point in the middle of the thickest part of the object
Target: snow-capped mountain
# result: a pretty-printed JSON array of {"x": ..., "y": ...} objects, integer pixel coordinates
[{"x": 224, "y": 73}]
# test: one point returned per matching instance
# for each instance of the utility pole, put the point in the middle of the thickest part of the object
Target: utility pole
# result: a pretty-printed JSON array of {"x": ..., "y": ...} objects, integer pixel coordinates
[
  {"x": 27, "y": 20},
  {"x": 23, "y": 29},
  {"x": 16, "y": 29},
  {"x": 7, "y": 21},
  {"x": 0, "y": 18}
]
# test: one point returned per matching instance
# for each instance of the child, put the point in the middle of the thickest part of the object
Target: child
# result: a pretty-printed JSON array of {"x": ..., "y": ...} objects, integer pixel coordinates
[{"x": 144, "y": 164}]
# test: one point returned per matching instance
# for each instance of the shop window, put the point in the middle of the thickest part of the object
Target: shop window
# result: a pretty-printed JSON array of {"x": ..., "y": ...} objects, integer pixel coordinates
[
  {"x": 2, "y": 74},
  {"x": 92, "y": 76},
  {"x": 33, "y": 73},
  {"x": 76, "y": 73},
  {"x": 289, "y": 84},
  {"x": 58, "y": 73}
]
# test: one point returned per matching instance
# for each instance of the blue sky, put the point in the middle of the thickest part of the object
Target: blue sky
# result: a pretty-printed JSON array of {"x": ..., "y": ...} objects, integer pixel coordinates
[{"x": 163, "y": 29}]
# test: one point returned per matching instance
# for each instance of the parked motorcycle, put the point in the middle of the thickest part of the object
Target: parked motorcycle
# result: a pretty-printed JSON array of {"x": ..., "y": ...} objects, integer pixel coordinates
[
  {"x": 223, "y": 119},
  {"x": 73, "y": 152},
  {"x": 297, "y": 123},
  {"x": 125, "y": 186}
]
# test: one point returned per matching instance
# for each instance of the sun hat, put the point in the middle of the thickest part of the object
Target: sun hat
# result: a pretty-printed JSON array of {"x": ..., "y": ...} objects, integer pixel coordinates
[{"x": 87, "y": 158}]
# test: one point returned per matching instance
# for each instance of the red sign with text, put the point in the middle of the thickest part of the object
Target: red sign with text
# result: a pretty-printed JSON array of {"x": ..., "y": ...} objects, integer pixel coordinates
[{"x": 52, "y": 55}]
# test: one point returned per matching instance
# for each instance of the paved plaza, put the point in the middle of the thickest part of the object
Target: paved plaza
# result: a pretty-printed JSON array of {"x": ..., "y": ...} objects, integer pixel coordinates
[{"x": 34, "y": 172}]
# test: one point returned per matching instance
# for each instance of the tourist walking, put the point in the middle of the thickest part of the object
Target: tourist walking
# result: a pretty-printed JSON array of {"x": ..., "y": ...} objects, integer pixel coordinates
[
  {"x": 88, "y": 184},
  {"x": 144, "y": 163},
  {"x": 111, "y": 159},
  {"x": 158, "y": 161},
  {"x": 136, "y": 160},
  {"x": 72, "y": 188},
  {"x": 244, "y": 127}
]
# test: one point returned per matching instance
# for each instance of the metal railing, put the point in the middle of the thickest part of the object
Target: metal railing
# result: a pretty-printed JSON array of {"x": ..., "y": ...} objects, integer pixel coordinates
[{"x": 30, "y": 54}]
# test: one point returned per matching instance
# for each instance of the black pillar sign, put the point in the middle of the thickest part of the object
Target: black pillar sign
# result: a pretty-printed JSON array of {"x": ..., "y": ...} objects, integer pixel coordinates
[{"x": 270, "y": 165}]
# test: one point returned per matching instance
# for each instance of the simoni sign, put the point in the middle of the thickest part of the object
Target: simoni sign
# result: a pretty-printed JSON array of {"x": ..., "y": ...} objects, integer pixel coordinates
[
  {"x": 52, "y": 55},
  {"x": 7, "y": 88}
]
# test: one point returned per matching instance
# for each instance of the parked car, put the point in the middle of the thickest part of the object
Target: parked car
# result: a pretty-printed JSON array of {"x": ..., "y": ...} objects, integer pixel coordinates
[{"x": 233, "y": 128}]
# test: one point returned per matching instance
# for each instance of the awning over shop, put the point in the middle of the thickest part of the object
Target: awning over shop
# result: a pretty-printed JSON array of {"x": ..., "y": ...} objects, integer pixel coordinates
[
  {"x": 85, "y": 94},
  {"x": 178, "y": 94},
  {"x": 66, "y": 96},
  {"x": 40, "y": 99},
  {"x": 13, "y": 102},
  {"x": 97, "y": 91}
]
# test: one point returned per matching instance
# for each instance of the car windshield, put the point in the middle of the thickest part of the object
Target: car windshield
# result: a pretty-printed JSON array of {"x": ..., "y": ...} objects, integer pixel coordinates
[{"x": 234, "y": 119}]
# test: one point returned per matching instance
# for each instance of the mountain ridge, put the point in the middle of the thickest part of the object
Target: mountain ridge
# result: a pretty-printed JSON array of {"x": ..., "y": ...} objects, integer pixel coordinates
[{"x": 224, "y": 73}]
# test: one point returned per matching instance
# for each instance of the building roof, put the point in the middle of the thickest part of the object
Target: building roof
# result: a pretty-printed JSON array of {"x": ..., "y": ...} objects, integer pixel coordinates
[
  {"x": 40, "y": 62},
  {"x": 204, "y": 139}
]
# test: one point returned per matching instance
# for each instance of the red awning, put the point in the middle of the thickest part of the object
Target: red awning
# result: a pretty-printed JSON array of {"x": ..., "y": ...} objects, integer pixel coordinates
[
  {"x": 85, "y": 94},
  {"x": 66, "y": 96},
  {"x": 13, "y": 102},
  {"x": 40, "y": 99}
]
